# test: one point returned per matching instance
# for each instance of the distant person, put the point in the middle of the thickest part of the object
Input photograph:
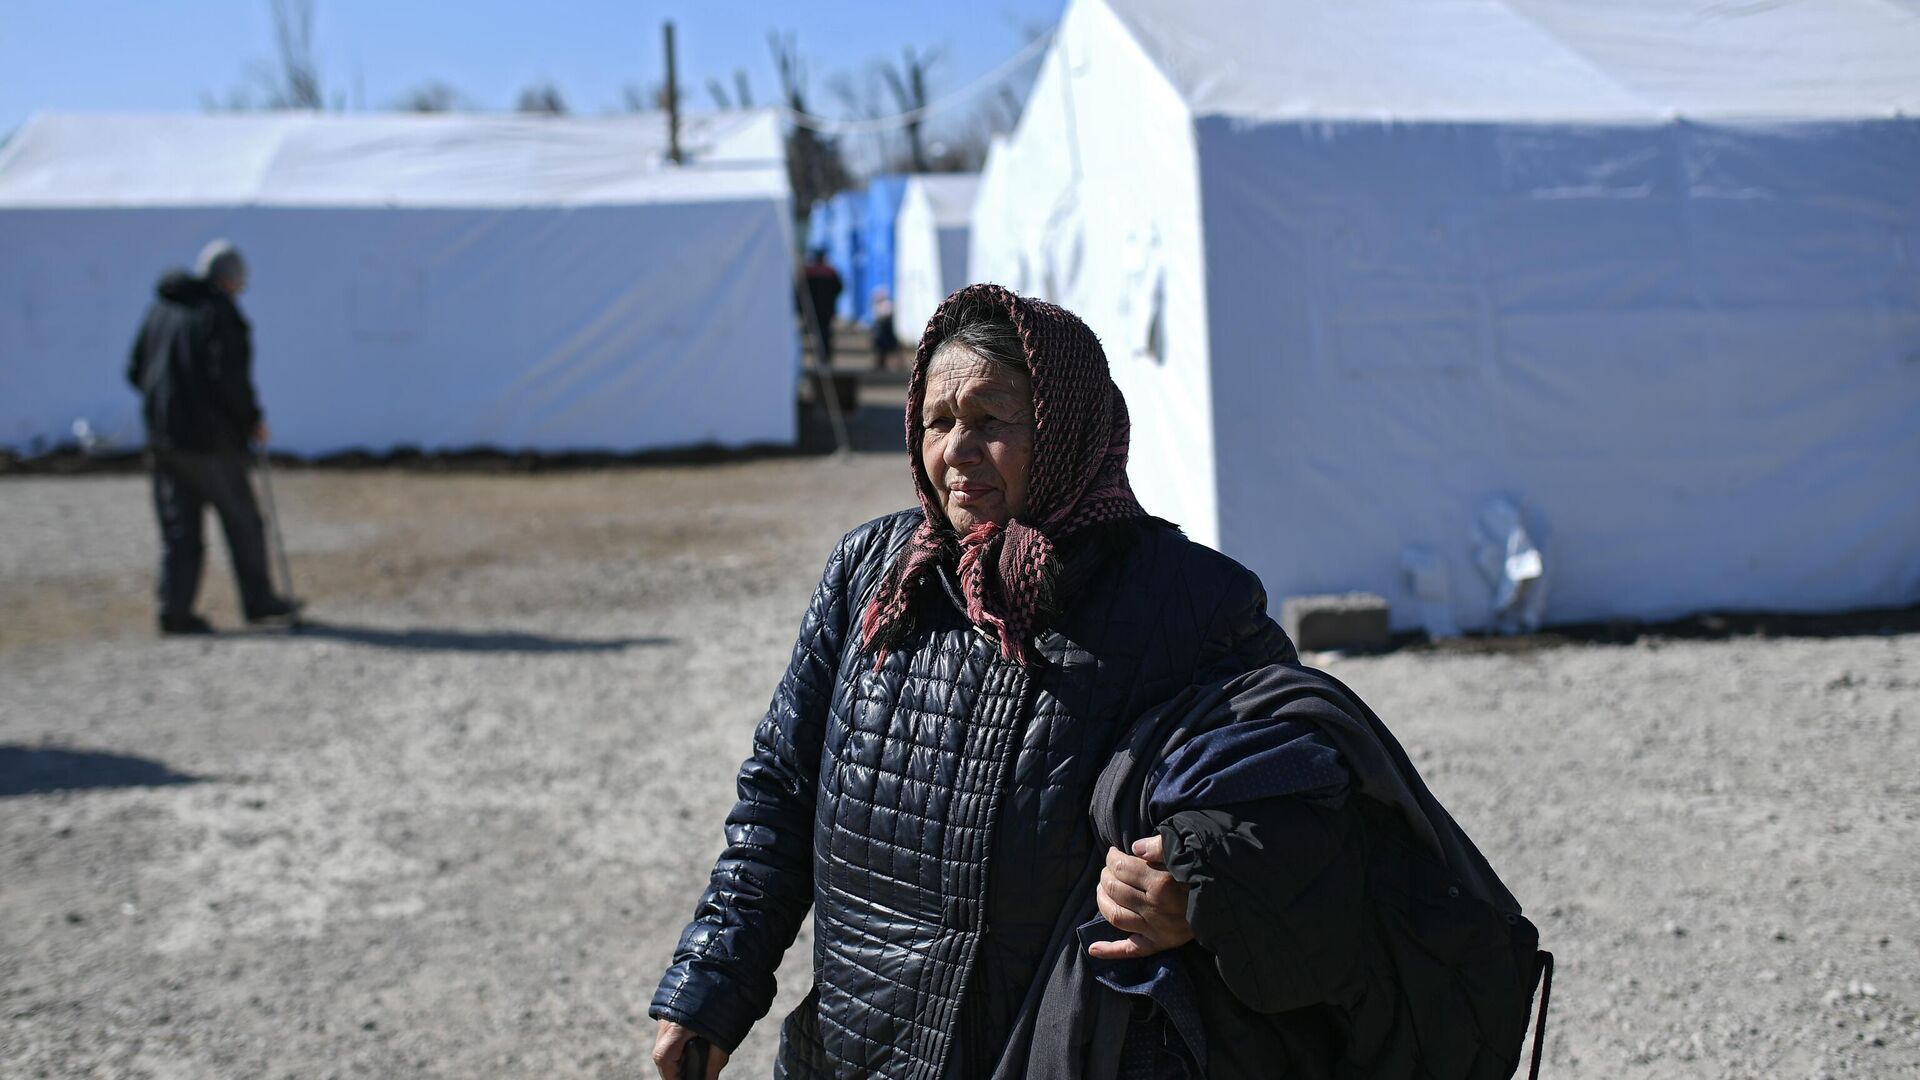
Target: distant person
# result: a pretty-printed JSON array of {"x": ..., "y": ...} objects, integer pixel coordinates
[
  {"x": 193, "y": 366},
  {"x": 823, "y": 292},
  {"x": 885, "y": 344}
]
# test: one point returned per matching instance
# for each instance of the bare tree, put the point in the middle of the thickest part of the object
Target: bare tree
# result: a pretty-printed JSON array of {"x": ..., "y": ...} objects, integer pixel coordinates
[
  {"x": 292, "y": 79},
  {"x": 542, "y": 97},
  {"x": 862, "y": 99},
  {"x": 792, "y": 68},
  {"x": 963, "y": 147},
  {"x": 909, "y": 85},
  {"x": 296, "y": 82},
  {"x": 741, "y": 97},
  {"x": 814, "y": 165},
  {"x": 433, "y": 96}
]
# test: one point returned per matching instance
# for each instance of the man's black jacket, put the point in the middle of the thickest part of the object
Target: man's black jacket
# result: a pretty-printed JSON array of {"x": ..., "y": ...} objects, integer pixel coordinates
[{"x": 193, "y": 366}]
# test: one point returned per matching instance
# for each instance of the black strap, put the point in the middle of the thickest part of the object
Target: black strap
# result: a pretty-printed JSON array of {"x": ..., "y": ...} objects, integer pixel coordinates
[{"x": 1540, "y": 1021}]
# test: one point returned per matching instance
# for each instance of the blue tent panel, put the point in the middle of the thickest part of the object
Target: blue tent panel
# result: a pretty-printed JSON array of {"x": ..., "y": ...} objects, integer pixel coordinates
[
  {"x": 884, "y": 194},
  {"x": 819, "y": 226},
  {"x": 844, "y": 249},
  {"x": 856, "y": 228}
]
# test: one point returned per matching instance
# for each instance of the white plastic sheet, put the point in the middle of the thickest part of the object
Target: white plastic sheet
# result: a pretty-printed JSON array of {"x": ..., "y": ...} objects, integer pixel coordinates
[
  {"x": 386, "y": 159},
  {"x": 1650, "y": 270},
  {"x": 1432, "y": 590},
  {"x": 1680, "y": 345},
  {"x": 1094, "y": 203},
  {"x": 1552, "y": 61},
  {"x": 930, "y": 247},
  {"x": 439, "y": 282},
  {"x": 1513, "y": 567}
]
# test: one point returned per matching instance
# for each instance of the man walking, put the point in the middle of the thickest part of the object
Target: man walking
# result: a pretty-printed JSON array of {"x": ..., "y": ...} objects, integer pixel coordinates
[
  {"x": 822, "y": 283},
  {"x": 193, "y": 366}
]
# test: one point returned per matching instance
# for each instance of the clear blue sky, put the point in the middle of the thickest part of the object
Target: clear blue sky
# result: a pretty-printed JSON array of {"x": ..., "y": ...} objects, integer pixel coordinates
[{"x": 172, "y": 55}]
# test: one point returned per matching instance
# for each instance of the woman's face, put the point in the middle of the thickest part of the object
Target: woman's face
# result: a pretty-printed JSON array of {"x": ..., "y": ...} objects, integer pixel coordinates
[{"x": 977, "y": 446}]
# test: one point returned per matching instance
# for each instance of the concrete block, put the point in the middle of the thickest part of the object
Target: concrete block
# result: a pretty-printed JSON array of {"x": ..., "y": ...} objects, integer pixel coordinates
[{"x": 1350, "y": 621}]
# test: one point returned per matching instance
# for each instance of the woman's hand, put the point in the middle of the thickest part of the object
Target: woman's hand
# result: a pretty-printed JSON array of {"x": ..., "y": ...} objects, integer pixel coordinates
[
  {"x": 1139, "y": 897},
  {"x": 671, "y": 1042}
]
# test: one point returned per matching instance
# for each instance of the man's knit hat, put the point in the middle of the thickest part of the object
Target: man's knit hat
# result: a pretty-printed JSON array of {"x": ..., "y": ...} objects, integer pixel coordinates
[{"x": 220, "y": 261}]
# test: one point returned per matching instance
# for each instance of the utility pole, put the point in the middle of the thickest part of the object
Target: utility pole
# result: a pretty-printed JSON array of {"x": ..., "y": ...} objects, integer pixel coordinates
[{"x": 673, "y": 99}]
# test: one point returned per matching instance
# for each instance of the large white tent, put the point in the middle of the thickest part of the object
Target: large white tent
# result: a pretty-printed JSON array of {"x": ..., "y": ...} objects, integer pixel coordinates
[
  {"x": 1647, "y": 269},
  {"x": 930, "y": 247},
  {"x": 435, "y": 281}
]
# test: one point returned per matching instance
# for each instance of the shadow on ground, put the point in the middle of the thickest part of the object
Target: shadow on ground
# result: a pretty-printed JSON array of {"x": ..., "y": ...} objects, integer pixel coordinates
[
  {"x": 26, "y": 770},
  {"x": 435, "y": 639}
]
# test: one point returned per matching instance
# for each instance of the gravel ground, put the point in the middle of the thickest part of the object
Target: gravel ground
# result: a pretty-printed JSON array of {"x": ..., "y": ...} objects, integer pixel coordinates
[{"x": 453, "y": 829}]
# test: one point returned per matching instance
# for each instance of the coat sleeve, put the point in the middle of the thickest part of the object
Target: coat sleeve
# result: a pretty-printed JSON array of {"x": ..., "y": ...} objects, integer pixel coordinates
[
  {"x": 1239, "y": 636},
  {"x": 722, "y": 978},
  {"x": 137, "y": 361},
  {"x": 230, "y": 348},
  {"x": 1277, "y": 897}
]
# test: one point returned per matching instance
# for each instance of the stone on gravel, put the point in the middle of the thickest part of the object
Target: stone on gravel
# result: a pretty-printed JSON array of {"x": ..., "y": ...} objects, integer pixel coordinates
[{"x": 1345, "y": 621}]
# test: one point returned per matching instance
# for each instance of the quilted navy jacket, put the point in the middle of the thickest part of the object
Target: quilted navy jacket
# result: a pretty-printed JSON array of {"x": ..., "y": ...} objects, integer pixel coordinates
[{"x": 933, "y": 812}]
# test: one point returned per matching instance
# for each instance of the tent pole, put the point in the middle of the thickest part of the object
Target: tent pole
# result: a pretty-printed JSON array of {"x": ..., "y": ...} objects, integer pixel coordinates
[{"x": 673, "y": 98}]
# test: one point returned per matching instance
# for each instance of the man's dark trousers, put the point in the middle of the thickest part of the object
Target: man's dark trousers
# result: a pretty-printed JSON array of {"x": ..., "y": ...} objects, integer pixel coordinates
[
  {"x": 185, "y": 483},
  {"x": 823, "y": 337}
]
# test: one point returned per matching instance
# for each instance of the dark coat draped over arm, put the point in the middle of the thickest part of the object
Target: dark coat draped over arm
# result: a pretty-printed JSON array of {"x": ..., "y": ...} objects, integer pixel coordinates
[{"x": 1290, "y": 811}]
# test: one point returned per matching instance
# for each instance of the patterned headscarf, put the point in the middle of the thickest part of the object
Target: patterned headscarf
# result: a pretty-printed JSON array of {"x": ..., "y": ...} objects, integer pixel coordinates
[{"x": 1078, "y": 476}]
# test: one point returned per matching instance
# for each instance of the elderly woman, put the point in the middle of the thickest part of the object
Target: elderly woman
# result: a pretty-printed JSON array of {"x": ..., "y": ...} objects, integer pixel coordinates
[{"x": 929, "y": 777}]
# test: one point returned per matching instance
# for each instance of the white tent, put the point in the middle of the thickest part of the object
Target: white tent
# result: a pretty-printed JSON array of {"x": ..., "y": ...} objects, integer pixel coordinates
[
  {"x": 930, "y": 247},
  {"x": 992, "y": 250},
  {"x": 437, "y": 281},
  {"x": 1648, "y": 269}
]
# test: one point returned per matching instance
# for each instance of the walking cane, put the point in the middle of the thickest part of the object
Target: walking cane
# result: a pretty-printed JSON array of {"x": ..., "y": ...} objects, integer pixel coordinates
[{"x": 273, "y": 522}]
